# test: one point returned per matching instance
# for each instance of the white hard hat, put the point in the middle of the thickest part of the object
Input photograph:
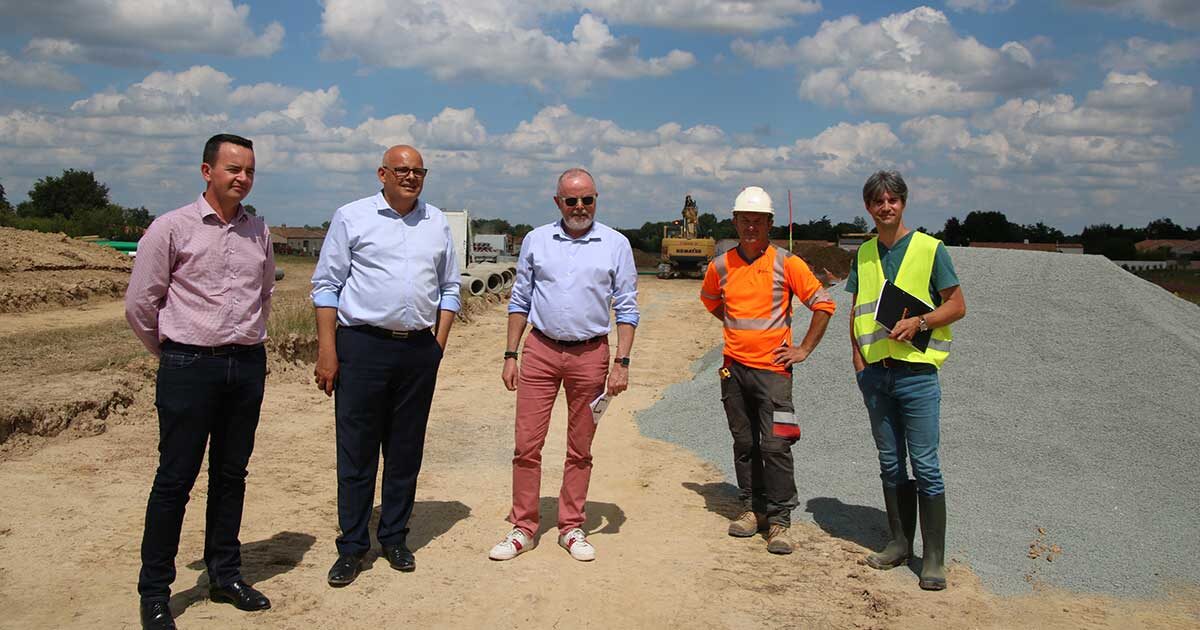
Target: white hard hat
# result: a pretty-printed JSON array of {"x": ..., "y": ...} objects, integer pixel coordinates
[{"x": 753, "y": 199}]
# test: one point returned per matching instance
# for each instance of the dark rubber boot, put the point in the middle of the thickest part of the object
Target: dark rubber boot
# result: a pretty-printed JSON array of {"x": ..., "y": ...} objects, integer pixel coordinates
[
  {"x": 901, "y": 504},
  {"x": 933, "y": 537}
]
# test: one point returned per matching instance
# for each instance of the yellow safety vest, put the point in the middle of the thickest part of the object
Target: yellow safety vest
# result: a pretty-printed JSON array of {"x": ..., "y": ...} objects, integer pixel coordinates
[{"x": 913, "y": 277}]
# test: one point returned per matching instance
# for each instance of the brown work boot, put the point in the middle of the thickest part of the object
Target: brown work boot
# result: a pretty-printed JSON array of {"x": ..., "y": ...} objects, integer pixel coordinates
[
  {"x": 747, "y": 525},
  {"x": 778, "y": 540}
]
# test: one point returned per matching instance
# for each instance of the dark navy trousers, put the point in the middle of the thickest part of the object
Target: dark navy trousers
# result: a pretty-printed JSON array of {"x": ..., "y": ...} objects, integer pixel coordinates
[
  {"x": 202, "y": 400},
  {"x": 383, "y": 394}
]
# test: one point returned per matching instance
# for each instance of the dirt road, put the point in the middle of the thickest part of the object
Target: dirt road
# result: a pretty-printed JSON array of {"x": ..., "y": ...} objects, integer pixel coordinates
[{"x": 72, "y": 515}]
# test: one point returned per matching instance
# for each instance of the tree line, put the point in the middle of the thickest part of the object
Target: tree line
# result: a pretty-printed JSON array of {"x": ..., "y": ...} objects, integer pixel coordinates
[
  {"x": 1114, "y": 242},
  {"x": 500, "y": 226},
  {"x": 75, "y": 204}
]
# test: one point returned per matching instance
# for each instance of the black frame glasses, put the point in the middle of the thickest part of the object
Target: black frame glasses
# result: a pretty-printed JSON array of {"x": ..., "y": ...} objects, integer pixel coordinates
[{"x": 403, "y": 171}]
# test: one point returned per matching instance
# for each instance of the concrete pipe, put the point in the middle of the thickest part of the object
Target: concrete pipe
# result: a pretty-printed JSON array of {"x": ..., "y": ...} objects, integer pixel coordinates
[
  {"x": 508, "y": 273},
  {"x": 491, "y": 268},
  {"x": 473, "y": 285},
  {"x": 493, "y": 282}
]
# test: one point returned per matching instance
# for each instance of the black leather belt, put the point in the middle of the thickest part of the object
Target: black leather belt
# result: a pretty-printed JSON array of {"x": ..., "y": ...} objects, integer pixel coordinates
[
  {"x": 393, "y": 334},
  {"x": 568, "y": 343},
  {"x": 209, "y": 351}
]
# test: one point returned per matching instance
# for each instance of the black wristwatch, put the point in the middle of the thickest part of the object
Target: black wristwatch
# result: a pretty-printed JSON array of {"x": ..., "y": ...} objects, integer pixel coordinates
[
  {"x": 622, "y": 361},
  {"x": 511, "y": 354}
]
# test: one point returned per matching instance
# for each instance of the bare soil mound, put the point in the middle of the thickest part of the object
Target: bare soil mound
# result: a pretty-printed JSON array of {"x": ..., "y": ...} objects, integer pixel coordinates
[
  {"x": 39, "y": 270},
  {"x": 829, "y": 262},
  {"x": 646, "y": 260}
]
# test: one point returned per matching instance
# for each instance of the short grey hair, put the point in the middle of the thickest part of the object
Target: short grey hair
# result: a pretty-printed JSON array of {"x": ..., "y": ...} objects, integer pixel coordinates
[
  {"x": 572, "y": 172},
  {"x": 881, "y": 181}
]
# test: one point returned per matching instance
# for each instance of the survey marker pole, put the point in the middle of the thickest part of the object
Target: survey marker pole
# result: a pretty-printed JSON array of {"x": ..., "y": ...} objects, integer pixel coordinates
[{"x": 789, "y": 220}]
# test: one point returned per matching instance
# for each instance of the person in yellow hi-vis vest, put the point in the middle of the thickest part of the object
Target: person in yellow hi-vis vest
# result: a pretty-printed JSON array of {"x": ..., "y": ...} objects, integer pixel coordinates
[
  {"x": 750, "y": 289},
  {"x": 900, "y": 383}
]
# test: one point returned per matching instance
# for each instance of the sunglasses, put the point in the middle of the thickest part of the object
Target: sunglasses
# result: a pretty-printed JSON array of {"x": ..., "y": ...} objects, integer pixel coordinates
[{"x": 571, "y": 202}]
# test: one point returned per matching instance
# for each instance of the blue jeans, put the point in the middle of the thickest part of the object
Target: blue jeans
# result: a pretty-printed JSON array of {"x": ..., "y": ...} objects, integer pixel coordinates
[
  {"x": 202, "y": 400},
  {"x": 904, "y": 403}
]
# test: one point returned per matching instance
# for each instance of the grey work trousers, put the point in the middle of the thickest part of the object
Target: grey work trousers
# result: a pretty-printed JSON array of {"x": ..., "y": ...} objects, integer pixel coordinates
[{"x": 762, "y": 462}]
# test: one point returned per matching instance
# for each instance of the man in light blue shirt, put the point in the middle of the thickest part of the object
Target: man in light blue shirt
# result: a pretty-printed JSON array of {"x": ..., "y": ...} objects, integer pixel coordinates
[
  {"x": 386, "y": 292},
  {"x": 570, "y": 274}
]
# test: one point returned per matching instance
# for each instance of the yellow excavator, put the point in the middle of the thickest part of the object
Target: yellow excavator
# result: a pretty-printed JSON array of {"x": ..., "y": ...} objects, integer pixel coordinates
[{"x": 684, "y": 254}]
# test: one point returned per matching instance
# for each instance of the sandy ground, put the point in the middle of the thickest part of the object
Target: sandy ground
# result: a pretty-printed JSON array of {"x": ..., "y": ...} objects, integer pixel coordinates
[{"x": 72, "y": 513}]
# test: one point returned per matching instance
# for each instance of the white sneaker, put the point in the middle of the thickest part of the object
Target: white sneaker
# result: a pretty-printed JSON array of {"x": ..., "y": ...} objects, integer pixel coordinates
[
  {"x": 575, "y": 541},
  {"x": 513, "y": 545}
]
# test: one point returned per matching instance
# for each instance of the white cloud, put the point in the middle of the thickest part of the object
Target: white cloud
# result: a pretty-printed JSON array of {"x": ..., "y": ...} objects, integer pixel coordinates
[
  {"x": 36, "y": 74},
  {"x": 495, "y": 40},
  {"x": 907, "y": 63},
  {"x": 1176, "y": 13},
  {"x": 141, "y": 137},
  {"x": 1126, "y": 104},
  {"x": 144, "y": 139},
  {"x": 726, "y": 16},
  {"x": 1189, "y": 180},
  {"x": 52, "y": 49},
  {"x": 938, "y": 132},
  {"x": 1120, "y": 134},
  {"x": 197, "y": 88},
  {"x": 981, "y": 6},
  {"x": 1138, "y": 53},
  {"x": 165, "y": 26},
  {"x": 263, "y": 94},
  {"x": 69, "y": 51},
  {"x": 846, "y": 148},
  {"x": 453, "y": 129}
]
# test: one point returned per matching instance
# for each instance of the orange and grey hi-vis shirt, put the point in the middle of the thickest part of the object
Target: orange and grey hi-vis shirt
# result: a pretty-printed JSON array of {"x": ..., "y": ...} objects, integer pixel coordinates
[{"x": 757, "y": 298}]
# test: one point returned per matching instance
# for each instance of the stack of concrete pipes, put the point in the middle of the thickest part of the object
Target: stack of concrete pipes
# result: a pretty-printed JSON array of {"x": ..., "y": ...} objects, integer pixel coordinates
[{"x": 483, "y": 278}]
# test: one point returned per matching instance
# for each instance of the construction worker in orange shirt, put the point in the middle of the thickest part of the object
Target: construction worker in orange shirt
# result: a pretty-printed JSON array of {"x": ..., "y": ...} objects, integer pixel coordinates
[{"x": 750, "y": 289}]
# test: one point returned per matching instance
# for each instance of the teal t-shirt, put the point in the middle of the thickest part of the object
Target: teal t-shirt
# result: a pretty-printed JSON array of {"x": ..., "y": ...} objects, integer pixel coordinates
[{"x": 943, "y": 276}]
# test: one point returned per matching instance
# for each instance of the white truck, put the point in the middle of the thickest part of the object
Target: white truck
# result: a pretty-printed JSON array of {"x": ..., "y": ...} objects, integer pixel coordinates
[
  {"x": 460, "y": 228},
  {"x": 489, "y": 247}
]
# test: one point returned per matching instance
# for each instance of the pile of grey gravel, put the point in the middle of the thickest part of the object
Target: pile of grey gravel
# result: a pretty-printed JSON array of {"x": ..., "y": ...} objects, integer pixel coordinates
[{"x": 1070, "y": 427}]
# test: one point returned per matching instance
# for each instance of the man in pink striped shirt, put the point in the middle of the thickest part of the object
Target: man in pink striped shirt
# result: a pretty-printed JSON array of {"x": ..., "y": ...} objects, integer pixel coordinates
[{"x": 199, "y": 298}]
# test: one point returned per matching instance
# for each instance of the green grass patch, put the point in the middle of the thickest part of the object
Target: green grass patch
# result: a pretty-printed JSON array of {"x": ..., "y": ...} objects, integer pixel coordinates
[
  {"x": 291, "y": 313},
  {"x": 68, "y": 350}
]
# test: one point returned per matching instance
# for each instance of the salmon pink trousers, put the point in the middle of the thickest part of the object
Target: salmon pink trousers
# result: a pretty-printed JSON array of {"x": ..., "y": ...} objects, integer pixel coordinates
[{"x": 582, "y": 370}]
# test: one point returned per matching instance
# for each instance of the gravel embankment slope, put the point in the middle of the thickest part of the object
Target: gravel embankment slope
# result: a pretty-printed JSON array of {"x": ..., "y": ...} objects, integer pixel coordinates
[{"x": 1069, "y": 404}]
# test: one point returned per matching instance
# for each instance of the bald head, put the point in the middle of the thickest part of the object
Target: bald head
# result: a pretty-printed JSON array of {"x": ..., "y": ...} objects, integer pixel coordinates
[{"x": 401, "y": 152}]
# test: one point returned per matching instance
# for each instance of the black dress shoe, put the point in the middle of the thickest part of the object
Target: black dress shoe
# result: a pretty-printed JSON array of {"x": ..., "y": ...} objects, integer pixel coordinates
[
  {"x": 400, "y": 557},
  {"x": 345, "y": 569},
  {"x": 241, "y": 595},
  {"x": 156, "y": 616}
]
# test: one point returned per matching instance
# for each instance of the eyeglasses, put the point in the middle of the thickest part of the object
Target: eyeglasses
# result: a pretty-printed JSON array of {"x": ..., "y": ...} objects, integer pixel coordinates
[
  {"x": 403, "y": 171},
  {"x": 571, "y": 202}
]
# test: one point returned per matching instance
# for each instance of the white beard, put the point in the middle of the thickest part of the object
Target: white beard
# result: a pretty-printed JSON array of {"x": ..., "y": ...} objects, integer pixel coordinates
[{"x": 578, "y": 224}]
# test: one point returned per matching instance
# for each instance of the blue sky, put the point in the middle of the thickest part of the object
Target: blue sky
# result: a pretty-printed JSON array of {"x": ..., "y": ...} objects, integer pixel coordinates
[{"x": 1071, "y": 112}]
